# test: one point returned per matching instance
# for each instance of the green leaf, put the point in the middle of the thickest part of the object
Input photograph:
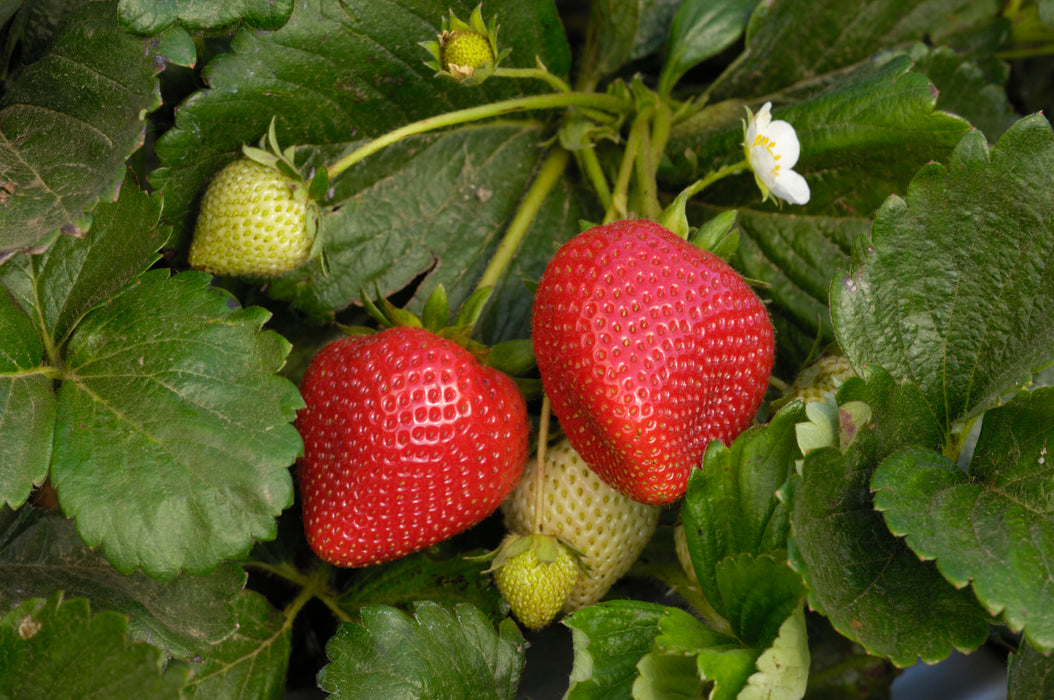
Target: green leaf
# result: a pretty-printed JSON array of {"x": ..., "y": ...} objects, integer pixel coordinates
[
  {"x": 41, "y": 553},
  {"x": 620, "y": 30},
  {"x": 337, "y": 71},
  {"x": 719, "y": 659},
  {"x": 970, "y": 314},
  {"x": 796, "y": 40},
  {"x": 437, "y": 653},
  {"x": 447, "y": 580},
  {"x": 757, "y": 594},
  {"x": 67, "y": 125},
  {"x": 154, "y": 17},
  {"x": 174, "y": 438},
  {"x": 77, "y": 274},
  {"x": 994, "y": 526},
  {"x": 701, "y": 29},
  {"x": 783, "y": 668},
  {"x": 966, "y": 89},
  {"x": 469, "y": 180},
  {"x": 27, "y": 405},
  {"x": 730, "y": 506},
  {"x": 1031, "y": 674},
  {"x": 610, "y": 638},
  {"x": 250, "y": 664},
  {"x": 56, "y": 649},
  {"x": 867, "y": 582}
]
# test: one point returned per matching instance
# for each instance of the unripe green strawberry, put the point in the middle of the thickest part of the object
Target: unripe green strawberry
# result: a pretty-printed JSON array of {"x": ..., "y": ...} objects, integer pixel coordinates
[
  {"x": 535, "y": 574},
  {"x": 465, "y": 50},
  {"x": 608, "y": 528},
  {"x": 253, "y": 222},
  {"x": 823, "y": 376}
]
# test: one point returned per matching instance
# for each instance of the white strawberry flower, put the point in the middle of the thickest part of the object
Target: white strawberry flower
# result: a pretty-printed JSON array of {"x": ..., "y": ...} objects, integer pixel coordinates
[{"x": 772, "y": 150}]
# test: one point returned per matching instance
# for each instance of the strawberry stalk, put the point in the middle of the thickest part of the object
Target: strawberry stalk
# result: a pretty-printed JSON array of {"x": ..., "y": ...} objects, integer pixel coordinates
[
  {"x": 539, "y": 482},
  {"x": 605, "y": 103},
  {"x": 619, "y": 208}
]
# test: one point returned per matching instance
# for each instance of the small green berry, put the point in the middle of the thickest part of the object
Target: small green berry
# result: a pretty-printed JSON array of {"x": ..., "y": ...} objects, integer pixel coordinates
[
  {"x": 464, "y": 51},
  {"x": 253, "y": 222}
]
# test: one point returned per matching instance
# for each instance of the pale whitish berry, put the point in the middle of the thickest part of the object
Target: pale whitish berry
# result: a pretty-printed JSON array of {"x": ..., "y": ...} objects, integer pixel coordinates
[
  {"x": 252, "y": 223},
  {"x": 609, "y": 529},
  {"x": 821, "y": 377}
]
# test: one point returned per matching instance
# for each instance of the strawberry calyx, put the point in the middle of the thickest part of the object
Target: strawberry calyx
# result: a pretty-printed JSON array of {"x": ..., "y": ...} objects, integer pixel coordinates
[
  {"x": 466, "y": 51},
  {"x": 512, "y": 357}
]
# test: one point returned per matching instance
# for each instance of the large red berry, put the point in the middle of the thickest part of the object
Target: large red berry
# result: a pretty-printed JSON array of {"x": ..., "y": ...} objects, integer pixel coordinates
[
  {"x": 408, "y": 440},
  {"x": 648, "y": 348}
]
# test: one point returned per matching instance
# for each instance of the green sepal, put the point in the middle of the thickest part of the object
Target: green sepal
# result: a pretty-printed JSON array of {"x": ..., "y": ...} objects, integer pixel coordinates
[
  {"x": 318, "y": 185},
  {"x": 512, "y": 357},
  {"x": 436, "y": 312},
  {"x": 719, "y": 235},
  {"x": 674, "y": 217},
  {"x": 472, "y": 307},
  {"x": 547, "y": 549}
]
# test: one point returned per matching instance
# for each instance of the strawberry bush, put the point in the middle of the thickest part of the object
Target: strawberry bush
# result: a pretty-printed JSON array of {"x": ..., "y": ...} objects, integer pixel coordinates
[{"x": 877, "y": 172}]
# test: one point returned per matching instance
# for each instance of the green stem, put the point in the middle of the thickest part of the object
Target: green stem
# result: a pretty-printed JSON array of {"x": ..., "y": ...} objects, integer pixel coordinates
[
  {"x": 539, "y": 474},
  {"x": 590, "y": 165},
  {"x": 700, "y": 185},
  {"x": 555, "y": 82},
  {"x": 620, "y": 195},
  {"x": 463, "y": 116},
  {"x": 547, "y": 178}
]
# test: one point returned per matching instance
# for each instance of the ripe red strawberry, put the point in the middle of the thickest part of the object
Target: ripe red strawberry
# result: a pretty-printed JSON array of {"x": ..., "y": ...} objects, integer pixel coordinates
[
  {"x": 648, "y": 348},
  {"x": 408, "y": 440}
]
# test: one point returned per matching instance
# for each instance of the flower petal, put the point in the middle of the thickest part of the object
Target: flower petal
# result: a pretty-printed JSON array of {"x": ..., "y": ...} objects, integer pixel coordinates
[
  {"x": 790, "y": 186},
  {"x": 784, "y": 143}
]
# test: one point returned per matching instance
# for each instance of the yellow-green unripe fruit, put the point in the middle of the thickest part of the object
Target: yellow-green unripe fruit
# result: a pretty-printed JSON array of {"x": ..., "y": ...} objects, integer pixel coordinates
[
  {"x": 253, "y": 223},
  {"x": 465, "y": 49}
]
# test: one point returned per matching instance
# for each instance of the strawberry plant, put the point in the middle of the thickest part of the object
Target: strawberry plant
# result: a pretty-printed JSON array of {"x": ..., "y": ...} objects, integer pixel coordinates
[{"x": 225, "y": 471}]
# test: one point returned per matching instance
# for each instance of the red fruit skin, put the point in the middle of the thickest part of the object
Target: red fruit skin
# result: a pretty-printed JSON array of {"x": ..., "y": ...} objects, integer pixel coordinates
[
  {"x": 648, "y": 348},
  {"x": 408, "y": 440}
]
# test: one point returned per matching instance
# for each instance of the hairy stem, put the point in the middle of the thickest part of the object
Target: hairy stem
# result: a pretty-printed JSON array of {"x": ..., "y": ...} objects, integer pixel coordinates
[
  {"x": 620, "y": 195},
  {"x": 539, "y": 469},
  {"x": 548, "y": 176},
  {"x": 464, "y": 116},
  {"x": 554, "y": 81},
  {"x": 590, "y": 165}
]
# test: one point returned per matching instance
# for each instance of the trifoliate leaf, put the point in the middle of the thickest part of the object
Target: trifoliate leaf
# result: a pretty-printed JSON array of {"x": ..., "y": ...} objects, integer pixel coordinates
[
  {"x": 1031, "y": 674},
  {"x": 970, "y": 314},
  {"x": 173, "y": 436},
  {"x": 153, "y": 17},
  {"x": 251, "y": 663},
  {"x": 730, "y": 506},
  {"x": 436, "y": 653},
  {"x": 41, "y": 553},
  {"x": 870, "y": 585},
  {"x": 993, "y": 526},
  {"x": 56, "y": 649},
  {"x": 610, "y": 638},
  {"x": 76, "y": 274},
  {"x": 757, "y": 593},
  {"x": 67, "y": 125}
]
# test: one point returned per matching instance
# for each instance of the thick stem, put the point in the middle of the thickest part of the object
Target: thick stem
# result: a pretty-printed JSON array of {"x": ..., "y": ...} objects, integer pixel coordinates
[
  {"x": 620, "y": 195},
  {"x": 590, "y": 165},
  {"x": 464, "y": 116},
  {"x": 547, "y": 178},
  {"x": 539, "y": 469}
]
